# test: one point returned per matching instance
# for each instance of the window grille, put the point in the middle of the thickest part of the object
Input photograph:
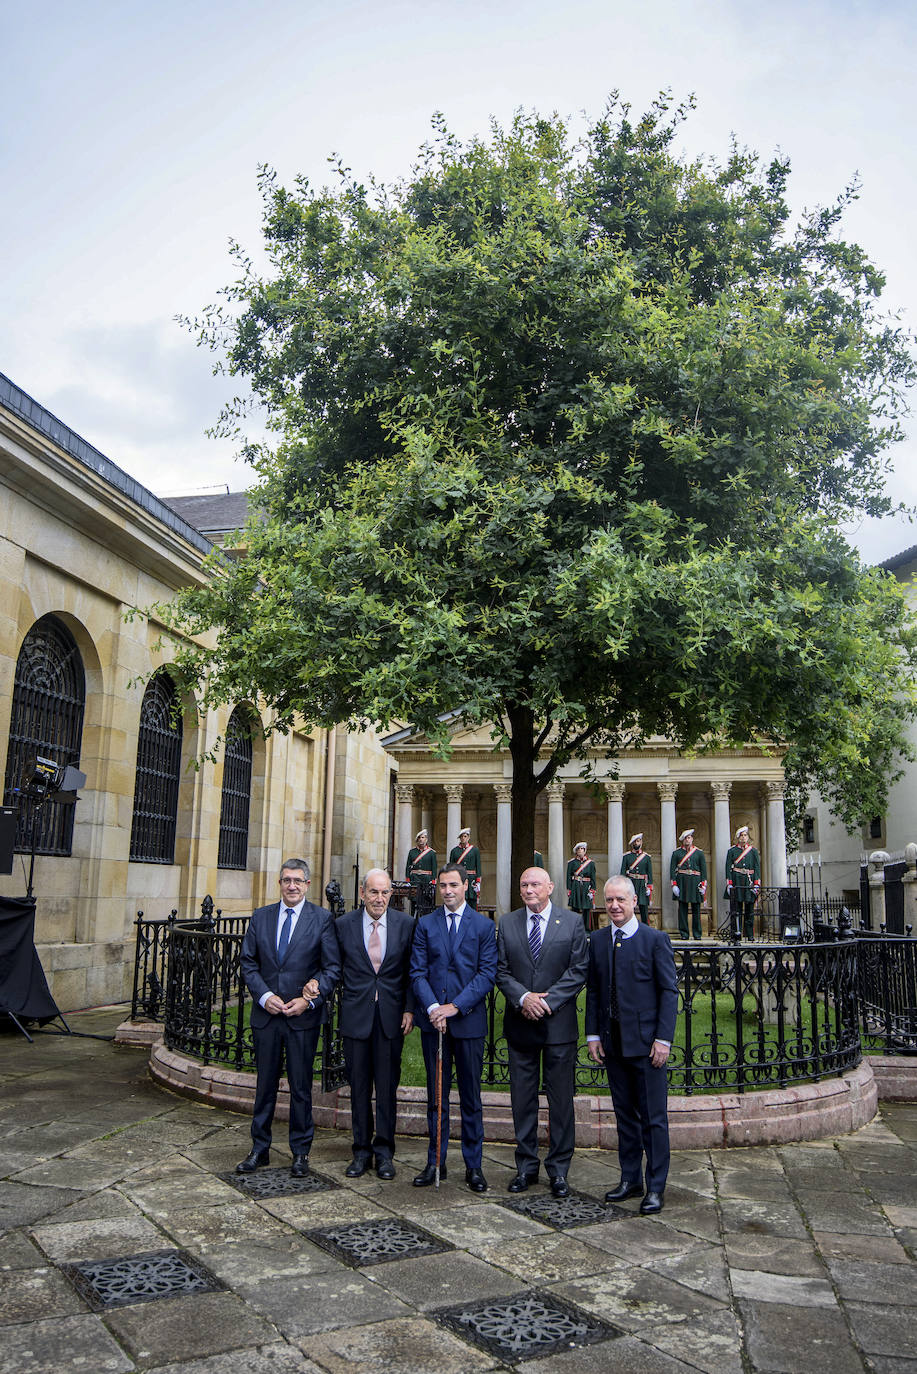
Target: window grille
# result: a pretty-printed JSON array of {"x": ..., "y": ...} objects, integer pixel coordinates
[
  {"x": 49, "y": 698},
  {"x": 237, "y": 792},
  {"x": 158, "y": 770}
]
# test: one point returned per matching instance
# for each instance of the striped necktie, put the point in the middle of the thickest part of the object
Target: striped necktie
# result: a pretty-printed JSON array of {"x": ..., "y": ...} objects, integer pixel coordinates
[{"x": 535, "y": 936}]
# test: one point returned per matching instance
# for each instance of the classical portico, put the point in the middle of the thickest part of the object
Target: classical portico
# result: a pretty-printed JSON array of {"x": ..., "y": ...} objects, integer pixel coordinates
[{"x": 656, "y": 791}]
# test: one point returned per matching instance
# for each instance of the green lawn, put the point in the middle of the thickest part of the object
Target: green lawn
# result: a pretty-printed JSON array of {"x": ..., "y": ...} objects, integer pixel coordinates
[{"x": 759, "y": 1038}]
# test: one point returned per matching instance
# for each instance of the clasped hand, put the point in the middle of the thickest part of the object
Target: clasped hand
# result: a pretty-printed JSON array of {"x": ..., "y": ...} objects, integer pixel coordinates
[{"x": 535, "y": 1006}]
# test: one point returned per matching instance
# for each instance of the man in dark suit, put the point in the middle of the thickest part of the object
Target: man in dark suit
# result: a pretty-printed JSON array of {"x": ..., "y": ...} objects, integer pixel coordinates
[
  {"x": 290, "y": 964},
  {"x": 541, "y": 965},
  {"x": 377, "y": 1003},
  {"x": 453, "y": 966},
  {"x": 631, "y": 1007}
]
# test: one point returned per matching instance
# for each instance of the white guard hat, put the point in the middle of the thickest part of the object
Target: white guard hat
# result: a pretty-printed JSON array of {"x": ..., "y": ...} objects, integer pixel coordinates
[
  {"x": 582, "y": 845},
  {"x": 686, "y": 835},
  {"x": 634, "y": 838},
  {"x": 742, "y": 830},
  {"x": 465, "y": 831}
]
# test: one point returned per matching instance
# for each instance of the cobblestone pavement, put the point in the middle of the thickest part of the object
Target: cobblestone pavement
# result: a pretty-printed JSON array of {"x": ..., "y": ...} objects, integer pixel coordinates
[{"x": 793, "y": 1258}]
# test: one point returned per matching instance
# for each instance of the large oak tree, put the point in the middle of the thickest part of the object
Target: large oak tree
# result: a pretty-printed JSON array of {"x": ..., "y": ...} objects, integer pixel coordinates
[{"x": 565, "y": 432}]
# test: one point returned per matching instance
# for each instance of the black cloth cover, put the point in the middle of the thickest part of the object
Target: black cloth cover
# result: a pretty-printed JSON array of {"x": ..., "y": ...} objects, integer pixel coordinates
[{"x": 24, "y": 989}]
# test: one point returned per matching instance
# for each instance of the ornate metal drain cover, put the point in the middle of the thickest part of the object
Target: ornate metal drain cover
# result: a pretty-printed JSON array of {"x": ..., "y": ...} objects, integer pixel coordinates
[
  {"x": 277, "y": 1183},
  {"x": 563, "y": 1212},
  {"x": 528, "y": 1324},
  {"x": 140, "y": 1278},
  {"x": 373, "y": 1242}
]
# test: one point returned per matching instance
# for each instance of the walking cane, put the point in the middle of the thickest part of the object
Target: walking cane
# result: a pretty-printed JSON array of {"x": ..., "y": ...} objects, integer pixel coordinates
[{"x": 439, "y": 1102}]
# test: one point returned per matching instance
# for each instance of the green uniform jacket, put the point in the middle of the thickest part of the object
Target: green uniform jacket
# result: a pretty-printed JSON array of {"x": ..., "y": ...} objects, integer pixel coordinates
[
  {"x": 471, "y": 865},
  {"x": 639, "y": 868},
  {"x": 421, "y": 870},
  {"x": 689, "y": 877},
  {"x": 581, "y": 890},
  {"x": 743, "y": 873}
]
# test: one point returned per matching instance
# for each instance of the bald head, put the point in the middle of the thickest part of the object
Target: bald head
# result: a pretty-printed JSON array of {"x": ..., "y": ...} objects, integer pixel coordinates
[
  {"x": 377, "y": 892},
  {"x": 536, "y": 887}
]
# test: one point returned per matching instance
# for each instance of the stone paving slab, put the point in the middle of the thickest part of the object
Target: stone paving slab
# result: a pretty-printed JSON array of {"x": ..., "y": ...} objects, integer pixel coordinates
[
  {"x": 626, "y": 1355},
  {"x": 546, "y": 1258},
  {"x": 32, "y": 1294},
  {"x": 17, "y": 1251},
  {"x": 887, "y": 1283},
  {"x": 797, "y": 1340},
  {"x": 109, "y": 1238},
  {"x": 882, "y": 1329},
  {"x": 712, "y": 1344},
  {"x": 453, "y": 1277},
  {"x": 337, "y": 1299},
  {"x": 759, "y": 1286},
  {"x": 844, "y": 1210},
  {"x": 277, "y": 1358},
  {"x": 41, "y": 1346},
  {"x": 410, "y": 1345},
  {"x": 199, "y": 1324},
  {"x": 774, "y": 1255},
  {"x": 22, "y": 1203}
]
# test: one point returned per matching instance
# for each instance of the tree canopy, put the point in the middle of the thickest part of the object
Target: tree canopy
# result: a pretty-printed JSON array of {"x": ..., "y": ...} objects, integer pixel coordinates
[{"x": 565, "y": 431}]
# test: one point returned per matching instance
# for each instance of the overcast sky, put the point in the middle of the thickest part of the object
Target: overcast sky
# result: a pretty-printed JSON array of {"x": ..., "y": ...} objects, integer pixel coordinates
[{"x": 130, "y": 138}]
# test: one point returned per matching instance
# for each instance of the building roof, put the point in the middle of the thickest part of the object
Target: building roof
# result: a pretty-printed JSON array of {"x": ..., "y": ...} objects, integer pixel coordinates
[
  {"x": 213, "y": 513},
  {"x": 26, "y": 408},
  {"x": 898, "y": 560}
]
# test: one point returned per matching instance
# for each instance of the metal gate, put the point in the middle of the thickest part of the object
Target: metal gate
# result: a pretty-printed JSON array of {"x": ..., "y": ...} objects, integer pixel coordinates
[{"x": 894, "y": 897}]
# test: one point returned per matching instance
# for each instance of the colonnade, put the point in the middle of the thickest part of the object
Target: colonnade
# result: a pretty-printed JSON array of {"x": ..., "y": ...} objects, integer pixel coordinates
[{"x": 771, "y": 843}]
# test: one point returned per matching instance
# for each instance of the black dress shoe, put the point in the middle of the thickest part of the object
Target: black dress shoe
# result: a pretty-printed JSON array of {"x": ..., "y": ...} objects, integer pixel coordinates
[
  {"x": 427, "y": 1176},
  {"x": 254, "y": 1161},
  {"x": 356, "y": 1168},
  {"x": 385, "y": 1169},
  {"x": 476, "y": 1180},
  {"x": 623, "y": 1190},
  {"x": 521, "y": 1183},
  {"x": 300, "y": 1166},
  {"x": 650, "y": 1204},
  {"x": 559, "y": 1186}
]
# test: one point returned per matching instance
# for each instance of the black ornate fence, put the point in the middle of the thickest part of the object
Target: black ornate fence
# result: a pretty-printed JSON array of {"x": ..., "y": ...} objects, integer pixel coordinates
[{"x": 750, "y": 1015}]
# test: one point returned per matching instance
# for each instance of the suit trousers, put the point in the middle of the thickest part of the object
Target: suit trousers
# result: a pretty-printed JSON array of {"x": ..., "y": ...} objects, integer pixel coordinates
[
  {"x": 275, "y": 1043},
  {"x": 467, "y": 1058},
  {"x": 558, "y": 1064},
  {"x": 373, "y": 1060},
  {"x": 639, "y": 1095}
]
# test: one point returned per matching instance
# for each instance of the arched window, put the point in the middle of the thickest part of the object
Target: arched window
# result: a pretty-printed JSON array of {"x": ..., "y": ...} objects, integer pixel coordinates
[
  {"x": 158, "y": 771},
  {"x": 49, "y": 698},
  {"x": 237, "y": 792}
]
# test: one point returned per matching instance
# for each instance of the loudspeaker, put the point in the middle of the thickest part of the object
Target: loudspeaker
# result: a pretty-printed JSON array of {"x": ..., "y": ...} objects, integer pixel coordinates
[{"x": 7, "y": 837}]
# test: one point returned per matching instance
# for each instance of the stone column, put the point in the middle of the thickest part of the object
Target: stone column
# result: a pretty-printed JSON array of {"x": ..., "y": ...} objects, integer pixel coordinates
[
  {"x": 667, "y": 908},
  {"x": 910, "y": 886},
  {"x": 504, "y": 895},
  {"x": 614, "y": 791},
  {"x": 722, "y": 839},
  {"x": 776, "y": 835},
  {"x": 404, "y": 800},
  {"x": 877, "y": 861},
  {"x": 453, "y": 791},
  {"x": 556, "y": 868}
]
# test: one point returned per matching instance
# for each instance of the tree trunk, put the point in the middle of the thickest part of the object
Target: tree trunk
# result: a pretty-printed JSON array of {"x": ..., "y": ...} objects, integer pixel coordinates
[{"x": 525, "y": 789}]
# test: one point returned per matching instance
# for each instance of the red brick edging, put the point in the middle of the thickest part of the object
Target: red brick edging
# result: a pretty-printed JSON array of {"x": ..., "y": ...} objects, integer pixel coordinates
[{"x": 808, "y": 1111}]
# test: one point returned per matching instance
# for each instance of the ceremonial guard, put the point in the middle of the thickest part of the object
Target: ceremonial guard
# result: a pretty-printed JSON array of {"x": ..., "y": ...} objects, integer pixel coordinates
[
  {"x": 743, "y": 883},
  {"x": 688, "y": 871},
  {"x": 638, "y": 866},
  {"x": 420, "y": 871},
  {"x": 469, "y": 856},
  {"x": 581, "y": 883}
]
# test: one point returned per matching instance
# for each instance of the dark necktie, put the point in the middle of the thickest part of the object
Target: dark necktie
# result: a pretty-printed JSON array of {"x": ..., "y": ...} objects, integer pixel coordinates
[
  {"x": 284, "y": 940},
  {"x": 453, "y": 932},
  {"x": 535, "y": 937},
  {"x": 615, "y": 1016}
]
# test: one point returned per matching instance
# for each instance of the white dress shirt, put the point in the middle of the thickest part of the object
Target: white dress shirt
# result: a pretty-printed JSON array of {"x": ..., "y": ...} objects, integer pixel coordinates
[{"x": 281, "y": 917}]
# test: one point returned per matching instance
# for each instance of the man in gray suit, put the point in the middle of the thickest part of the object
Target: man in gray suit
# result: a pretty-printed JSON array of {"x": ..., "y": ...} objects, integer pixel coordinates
[{"x": 542, "y": 958}]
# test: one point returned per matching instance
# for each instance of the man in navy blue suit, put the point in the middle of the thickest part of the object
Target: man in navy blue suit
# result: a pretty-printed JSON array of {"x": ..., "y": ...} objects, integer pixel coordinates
[
  {"x": 453, "y": 967},
  {"x": 631, "y": 1007},
  {"x": 290, "y": 963}
]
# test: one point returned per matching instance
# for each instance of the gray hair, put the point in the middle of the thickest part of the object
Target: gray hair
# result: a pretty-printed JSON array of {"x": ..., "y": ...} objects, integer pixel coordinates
[
  {"x": 624, "y": 881},
  {"x": 297, "y": 863}
]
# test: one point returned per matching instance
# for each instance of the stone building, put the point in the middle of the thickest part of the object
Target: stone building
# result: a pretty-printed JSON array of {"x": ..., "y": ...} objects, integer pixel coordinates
[{"x": 81, "y": 545}]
